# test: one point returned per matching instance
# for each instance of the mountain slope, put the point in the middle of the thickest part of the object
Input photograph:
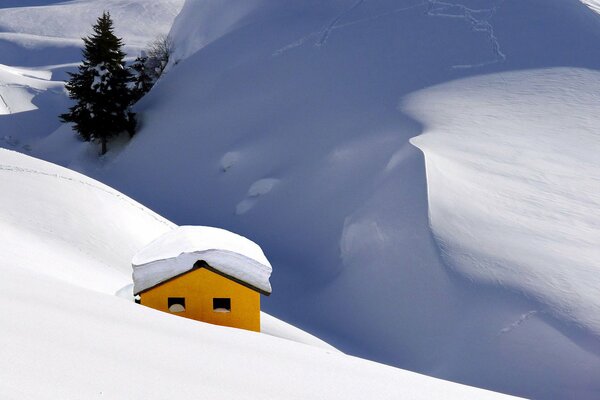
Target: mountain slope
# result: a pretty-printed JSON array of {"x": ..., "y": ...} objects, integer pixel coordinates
[
  {"x": 281, "y": 121},
  {"x": 66, "y": 241}
]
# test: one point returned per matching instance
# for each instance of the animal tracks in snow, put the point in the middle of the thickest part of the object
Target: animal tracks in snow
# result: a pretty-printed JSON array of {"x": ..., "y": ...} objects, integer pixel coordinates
[
  {"x": 332, "y": 24},
  {"x": 479, "y": 19},
  {"x": 321, "y": 36},
  {"x": 480, "y": 22},
  {"x": 109, "y": 191}
]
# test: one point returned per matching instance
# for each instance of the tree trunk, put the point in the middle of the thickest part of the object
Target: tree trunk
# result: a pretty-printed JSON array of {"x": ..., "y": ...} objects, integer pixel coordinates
[{"x": 103, "y": 152}]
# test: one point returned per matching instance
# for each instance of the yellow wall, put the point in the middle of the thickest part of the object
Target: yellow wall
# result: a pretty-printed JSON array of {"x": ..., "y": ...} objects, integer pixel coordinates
[{"x": 199, "y": 287}]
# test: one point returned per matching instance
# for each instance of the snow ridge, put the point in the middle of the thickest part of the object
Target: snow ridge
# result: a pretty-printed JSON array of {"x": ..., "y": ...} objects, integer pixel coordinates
[{"x": 105, "y": 189}]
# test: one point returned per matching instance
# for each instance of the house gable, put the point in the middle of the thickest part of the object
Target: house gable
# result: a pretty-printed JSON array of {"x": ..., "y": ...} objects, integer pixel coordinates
[
  {"x": 203, "y": 264},
  {"x": 205, "y": 295}
]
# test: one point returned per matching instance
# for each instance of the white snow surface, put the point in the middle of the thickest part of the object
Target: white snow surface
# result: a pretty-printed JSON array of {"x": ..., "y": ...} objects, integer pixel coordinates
[
  {"x": 279, "y": 120},
  {"x": 593, "y": 4},
  {"x": 136, "y": 21},
  {"x": 514, "y": 190},
  {"x": 66, "y": 242},
  {"x": 18, "y": 87},
  {"x": 176, "y": 251}
]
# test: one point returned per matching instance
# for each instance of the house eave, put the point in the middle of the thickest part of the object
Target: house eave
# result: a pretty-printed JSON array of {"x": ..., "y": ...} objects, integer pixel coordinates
[{"x": 204, "y": 264}]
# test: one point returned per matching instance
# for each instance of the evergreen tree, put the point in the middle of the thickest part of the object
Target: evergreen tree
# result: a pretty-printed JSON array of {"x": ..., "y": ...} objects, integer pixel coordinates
[{"x": 101, "y": 87}]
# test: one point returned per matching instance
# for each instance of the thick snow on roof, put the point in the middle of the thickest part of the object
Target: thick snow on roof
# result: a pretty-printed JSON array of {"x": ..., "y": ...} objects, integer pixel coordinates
[{"x": 175, "y": 252}]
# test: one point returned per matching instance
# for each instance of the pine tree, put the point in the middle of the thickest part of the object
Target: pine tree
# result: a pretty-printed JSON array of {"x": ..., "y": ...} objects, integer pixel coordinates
[{"x": 101, "y": 87}]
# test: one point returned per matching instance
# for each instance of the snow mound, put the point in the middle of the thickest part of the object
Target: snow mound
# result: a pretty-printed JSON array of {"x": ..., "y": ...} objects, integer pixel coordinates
[
  {"x": 47, "y": 215},
  {"x": 18, "y": 86},
  {"x": 176, "y": 251},
  {"x": 65, "y": 242},
  {"x": 307, "y": 92},
  {"x": 524, "y": 146}
]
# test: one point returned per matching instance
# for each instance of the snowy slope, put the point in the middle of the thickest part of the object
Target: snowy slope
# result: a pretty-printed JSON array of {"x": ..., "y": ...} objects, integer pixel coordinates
[
  {"x": 593, "y": 4},
  {"x": 62, "y": 24},
  {"x": 530, "y": 220},
  {"x": 281, "y": 122},
  {"x": 65, "y": 244},
  {"x": 43, "y": 39},
  {"x": 285, "y": 126}
]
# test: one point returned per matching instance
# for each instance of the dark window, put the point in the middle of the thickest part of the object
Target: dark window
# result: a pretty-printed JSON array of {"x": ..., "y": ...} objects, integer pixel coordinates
[
  {"x": 221, "y": 304},
  {"x": 176, "y": 304}
]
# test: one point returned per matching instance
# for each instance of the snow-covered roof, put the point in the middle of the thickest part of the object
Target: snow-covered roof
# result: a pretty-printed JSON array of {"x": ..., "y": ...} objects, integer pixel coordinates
[{"x": 176, "y": 252}]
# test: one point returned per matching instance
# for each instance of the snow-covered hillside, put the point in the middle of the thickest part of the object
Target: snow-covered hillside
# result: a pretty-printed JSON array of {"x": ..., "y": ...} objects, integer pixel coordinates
[
  {"x": 290, "y": 122},
  {"x": 530, "y": 221},
  {"x": 66, "y": 241},
  {"x": 43, "y": 39}
]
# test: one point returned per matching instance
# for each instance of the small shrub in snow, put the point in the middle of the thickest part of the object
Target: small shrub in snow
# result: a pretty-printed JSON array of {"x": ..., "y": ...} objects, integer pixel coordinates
[
  {"x": 159, "y": 52},
  {"x": 150, "y": 65}
]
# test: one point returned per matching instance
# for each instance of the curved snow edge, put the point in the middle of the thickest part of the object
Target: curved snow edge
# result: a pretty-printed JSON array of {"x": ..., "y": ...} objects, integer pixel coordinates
[{"x": 228, "y": 262}]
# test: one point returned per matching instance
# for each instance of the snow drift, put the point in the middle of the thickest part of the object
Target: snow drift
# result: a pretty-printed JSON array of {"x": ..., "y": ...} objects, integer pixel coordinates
[
  {"x": 280, "y": 121},
  {"x": 529, "y": 221},
  {"x": 66, "y": 241}
]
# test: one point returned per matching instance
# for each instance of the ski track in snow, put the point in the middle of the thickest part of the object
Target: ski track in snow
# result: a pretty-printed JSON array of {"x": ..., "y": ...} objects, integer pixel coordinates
[
  {"x": 479, "y": 20},
  {"x": 15, "y": 169}
]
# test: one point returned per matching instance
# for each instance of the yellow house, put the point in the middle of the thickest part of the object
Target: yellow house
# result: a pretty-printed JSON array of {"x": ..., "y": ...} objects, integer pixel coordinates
[{"x": 203, "y": 273}]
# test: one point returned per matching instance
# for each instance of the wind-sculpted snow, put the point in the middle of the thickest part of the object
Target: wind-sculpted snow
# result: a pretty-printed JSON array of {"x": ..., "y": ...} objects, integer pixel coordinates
[
  {"x": 279, "y": 120},
  {"x": 305, "y": 96},
  {"x": 66, "y": 241},
  {"x": 512, "y": 169},
  {"x": 19, "y": 86}
]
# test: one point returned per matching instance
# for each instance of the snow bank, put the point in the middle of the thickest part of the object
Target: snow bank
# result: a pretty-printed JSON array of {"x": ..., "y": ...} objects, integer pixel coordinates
[
  {"x": 77, "y": 229},
  {"x": 18, "y": 86},
  {"x": 176, "y": 251},
  {"x": 306, "y": 92},
  {"x": 512, "y": 170},
  {"x": 64, "y": 240}
]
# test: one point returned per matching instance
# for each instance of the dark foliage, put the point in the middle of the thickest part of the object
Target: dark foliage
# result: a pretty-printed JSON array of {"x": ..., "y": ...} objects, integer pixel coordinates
[{"x": 101, "y": 88}]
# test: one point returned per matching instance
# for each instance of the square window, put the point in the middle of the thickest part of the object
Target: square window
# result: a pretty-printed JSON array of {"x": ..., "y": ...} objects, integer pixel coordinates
[
  {"x": 221, "y": 304},
  {"x": 176, "y": 304}
]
